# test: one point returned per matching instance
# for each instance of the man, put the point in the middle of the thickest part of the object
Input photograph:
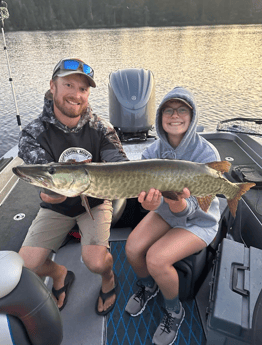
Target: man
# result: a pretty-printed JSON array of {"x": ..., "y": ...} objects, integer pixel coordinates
[{"x": 66, "y": 130}]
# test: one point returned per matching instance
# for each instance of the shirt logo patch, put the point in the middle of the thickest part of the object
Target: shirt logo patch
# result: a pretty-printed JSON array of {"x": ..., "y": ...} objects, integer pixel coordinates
[{"x": 75, "y": 154}]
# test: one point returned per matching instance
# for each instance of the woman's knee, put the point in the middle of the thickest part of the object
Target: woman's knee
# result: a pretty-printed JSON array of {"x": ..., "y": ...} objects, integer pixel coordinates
[
  {"x": 156, "y": 263},
  {"x": 132, "y": 249}
]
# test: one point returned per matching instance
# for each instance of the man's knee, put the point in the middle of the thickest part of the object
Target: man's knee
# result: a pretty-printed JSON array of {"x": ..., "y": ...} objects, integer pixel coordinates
[
  {"x": 96, "y": 258},
  {"x": 33, "y": 257}
]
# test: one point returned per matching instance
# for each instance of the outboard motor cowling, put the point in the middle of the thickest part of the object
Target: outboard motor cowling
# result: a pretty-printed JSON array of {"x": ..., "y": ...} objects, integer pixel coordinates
[{"x": 132, "y": 102}]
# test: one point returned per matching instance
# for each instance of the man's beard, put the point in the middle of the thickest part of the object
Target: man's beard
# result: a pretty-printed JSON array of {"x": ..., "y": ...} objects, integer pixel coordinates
[{"x": 59, "y": 105}]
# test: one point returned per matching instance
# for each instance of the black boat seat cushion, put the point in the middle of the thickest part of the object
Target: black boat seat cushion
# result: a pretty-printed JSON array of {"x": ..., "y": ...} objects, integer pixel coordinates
[{"x": 27, "y": 308}]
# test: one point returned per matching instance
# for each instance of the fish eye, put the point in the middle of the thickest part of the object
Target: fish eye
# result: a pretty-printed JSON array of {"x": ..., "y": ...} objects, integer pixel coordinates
[{"x": 51, "y": 170}]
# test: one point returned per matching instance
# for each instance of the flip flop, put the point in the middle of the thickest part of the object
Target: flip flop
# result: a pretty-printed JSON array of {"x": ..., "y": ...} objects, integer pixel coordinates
[
  {"x": 70, "y": 277},
  {"x": 104, "y": 296}
]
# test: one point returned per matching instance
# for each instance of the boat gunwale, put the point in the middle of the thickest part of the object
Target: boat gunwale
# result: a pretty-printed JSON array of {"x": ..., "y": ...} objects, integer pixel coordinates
[{"x": 247, "y": 144}]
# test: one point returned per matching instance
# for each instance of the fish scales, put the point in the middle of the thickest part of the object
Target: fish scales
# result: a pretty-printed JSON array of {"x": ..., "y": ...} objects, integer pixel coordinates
[
  {"x": 116, "y": 180},
  {"x": 127, "y": 179}
]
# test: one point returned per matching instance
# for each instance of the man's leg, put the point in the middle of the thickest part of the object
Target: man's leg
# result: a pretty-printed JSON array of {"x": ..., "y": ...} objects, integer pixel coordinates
[
  {"x": 46, "y": 234},
  {"x": 36, "y": 259},
  {"x": 100, "y": 261},
  {"x": 95, "y": 234}
]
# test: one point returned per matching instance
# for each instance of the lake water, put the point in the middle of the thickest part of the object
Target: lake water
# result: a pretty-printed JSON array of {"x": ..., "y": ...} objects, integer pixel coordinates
[{"x": 221, "y": 65}]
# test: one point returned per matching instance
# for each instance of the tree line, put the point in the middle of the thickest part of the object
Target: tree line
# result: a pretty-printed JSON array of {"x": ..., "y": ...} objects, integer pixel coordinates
[{"x": 74, "y": 14}]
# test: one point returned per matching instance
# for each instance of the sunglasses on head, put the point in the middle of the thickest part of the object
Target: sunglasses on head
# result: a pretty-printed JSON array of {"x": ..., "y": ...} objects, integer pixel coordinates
[{"x": 74, "y": 65}]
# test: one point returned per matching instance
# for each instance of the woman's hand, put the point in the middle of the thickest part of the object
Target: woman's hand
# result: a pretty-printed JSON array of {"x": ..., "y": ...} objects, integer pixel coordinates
[
  {"x": 180, "y": 204},
  {"x": 150, "y": 201}
]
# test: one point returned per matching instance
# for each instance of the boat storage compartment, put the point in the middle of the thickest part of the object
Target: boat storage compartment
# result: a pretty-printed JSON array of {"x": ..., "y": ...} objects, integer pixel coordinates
[{"x": 235, "y": 286}]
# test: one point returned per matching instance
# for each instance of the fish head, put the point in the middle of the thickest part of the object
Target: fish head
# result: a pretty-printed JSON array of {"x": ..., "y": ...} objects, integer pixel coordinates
[{"x": 69, "y": 179}]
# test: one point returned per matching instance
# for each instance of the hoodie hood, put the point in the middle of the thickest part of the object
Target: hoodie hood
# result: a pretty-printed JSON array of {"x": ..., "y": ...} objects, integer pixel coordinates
[{"x": 189, "y": 138}]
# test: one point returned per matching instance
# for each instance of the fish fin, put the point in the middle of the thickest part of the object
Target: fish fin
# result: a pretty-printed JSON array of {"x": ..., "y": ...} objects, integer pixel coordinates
[
  {"x": 171, "y": 195},
  {"x": 223, "y": 166},
  {"x": 86, "y": 205},
  {"x": 205, "y": 202},
  {"x": 243, "y": 188}
]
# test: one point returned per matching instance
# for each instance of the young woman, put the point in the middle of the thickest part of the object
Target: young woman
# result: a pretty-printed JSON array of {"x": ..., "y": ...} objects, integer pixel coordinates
[{"x": 172, "y": 230}]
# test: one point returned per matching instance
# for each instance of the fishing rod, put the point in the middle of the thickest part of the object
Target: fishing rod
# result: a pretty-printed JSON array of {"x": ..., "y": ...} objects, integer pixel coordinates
[{"x": 4, "y": 14}]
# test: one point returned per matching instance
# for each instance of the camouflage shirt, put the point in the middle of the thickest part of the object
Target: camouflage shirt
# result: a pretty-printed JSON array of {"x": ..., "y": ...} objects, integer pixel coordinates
[{"x": 46, "y": 140}]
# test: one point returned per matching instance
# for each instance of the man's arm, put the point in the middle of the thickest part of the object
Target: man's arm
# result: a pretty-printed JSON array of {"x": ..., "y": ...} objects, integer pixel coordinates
[
  {"x": 29, "y": 150},
  {"x": 111, "y": 149},
  {"x": 32, "y": 153}
]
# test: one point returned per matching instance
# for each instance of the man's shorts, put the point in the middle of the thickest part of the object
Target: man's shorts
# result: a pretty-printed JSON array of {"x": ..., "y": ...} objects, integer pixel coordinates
[{"x": 49, "y": 228}]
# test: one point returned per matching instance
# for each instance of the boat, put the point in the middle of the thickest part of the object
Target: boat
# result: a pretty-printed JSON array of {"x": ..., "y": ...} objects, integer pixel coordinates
[{"x": 131, "y": 115}]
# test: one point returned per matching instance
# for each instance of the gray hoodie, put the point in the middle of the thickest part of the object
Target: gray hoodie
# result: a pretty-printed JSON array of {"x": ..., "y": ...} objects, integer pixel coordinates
[{"x": 195, "y": 148}]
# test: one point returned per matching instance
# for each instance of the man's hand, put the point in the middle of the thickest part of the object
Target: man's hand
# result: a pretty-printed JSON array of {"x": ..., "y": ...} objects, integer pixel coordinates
[
  {"x": 150, "y": 201},
  {"x": 52, "y": 199},
  {"x": 180, "y": 204}
]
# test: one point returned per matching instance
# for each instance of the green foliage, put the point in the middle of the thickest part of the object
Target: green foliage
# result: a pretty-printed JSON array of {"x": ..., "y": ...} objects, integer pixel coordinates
[{"x": 72, "y": 14}]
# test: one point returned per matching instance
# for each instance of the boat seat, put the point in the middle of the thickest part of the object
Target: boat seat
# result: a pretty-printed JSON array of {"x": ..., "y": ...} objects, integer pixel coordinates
[
  {"x": 27, "y": 309},
  {"x": 118, "y": 209}
]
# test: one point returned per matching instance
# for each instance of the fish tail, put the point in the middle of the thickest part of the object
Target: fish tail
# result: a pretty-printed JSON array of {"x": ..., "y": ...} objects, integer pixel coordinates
[{"x": 243, "y": 188}]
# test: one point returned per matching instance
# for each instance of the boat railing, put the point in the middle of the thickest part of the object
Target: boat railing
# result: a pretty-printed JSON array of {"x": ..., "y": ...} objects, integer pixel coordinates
[{"x": 241, "y": 125}]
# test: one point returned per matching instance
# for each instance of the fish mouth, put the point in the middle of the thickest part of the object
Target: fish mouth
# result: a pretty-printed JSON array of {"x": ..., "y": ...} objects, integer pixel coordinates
[{"x": 18, "y": 173}]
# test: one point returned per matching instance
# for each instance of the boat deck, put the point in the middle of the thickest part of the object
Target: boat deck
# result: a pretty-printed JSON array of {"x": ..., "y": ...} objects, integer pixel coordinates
[
  {"x": 125, "y": 330},
  {"x": 81, "y": 324}
]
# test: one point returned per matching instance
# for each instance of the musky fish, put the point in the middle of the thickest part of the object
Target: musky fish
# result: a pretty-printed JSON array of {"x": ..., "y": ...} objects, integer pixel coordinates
[{"x": 127, "y": 179}]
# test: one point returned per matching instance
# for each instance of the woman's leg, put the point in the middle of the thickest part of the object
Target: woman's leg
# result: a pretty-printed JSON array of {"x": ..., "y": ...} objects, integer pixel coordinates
[
  {"x": 147, "y": 232},
  {"x": 173, "y": 246}
]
